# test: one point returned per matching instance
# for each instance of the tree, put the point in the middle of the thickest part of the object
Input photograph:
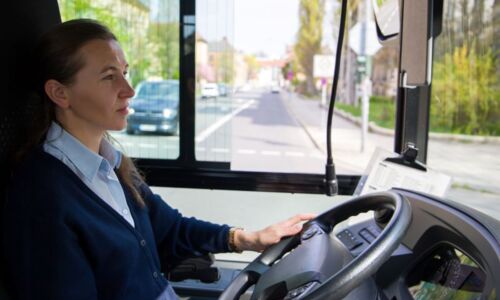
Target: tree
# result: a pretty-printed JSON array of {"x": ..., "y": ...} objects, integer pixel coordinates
[
  {"x": 466, "y": 85},
  {"x": 309, "y": 37},
  {"x": 225, "y": 67},
  {"x": 496, "y": 36},
  {"x": 466, "y": 96},
  {"x": 347, "y": 76},
  {"x": 253, "y": 66},
  {"x": 128, "y": 28},
  {"x": 164, "y": 41}
]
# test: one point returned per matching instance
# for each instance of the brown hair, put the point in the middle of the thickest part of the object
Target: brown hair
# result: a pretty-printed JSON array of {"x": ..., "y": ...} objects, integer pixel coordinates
[{"x": 57, "y": 58}]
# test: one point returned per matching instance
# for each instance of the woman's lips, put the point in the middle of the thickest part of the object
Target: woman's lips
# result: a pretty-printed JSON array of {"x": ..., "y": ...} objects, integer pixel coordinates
[{"x": 123, "y": 110}]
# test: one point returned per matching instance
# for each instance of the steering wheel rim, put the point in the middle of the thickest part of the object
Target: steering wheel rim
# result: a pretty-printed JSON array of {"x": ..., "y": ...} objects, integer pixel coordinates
[{"x": 353, "y": 273}]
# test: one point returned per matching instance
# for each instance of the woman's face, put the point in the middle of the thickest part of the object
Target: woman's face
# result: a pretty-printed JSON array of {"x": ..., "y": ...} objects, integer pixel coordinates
[{"x": 100, "y": 93}]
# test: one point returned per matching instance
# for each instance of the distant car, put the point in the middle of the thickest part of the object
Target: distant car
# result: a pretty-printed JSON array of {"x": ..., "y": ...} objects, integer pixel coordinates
[
  {"x": 209, "y": 90},
  {"x": 223, "y": 89},
  {"x": 275, "y": 89},
  {"x": 155, "y": 107}
]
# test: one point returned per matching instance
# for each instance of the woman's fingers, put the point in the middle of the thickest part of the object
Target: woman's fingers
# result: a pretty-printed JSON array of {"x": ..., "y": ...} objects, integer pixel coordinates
[
  {"x": 274, "y": 233},
  {"x": 299, "y": 218}
]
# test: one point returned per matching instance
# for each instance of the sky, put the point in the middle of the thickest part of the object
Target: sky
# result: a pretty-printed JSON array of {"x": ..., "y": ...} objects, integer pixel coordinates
[
  {"x": 254, "y": 26},
  {"x": 265, "y": 25}
]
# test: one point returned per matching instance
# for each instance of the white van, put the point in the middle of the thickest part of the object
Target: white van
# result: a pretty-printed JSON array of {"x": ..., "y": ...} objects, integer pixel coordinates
[{"x": 209, "y": 90}]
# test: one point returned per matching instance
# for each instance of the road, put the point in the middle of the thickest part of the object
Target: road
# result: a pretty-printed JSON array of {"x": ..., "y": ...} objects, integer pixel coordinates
[
  {"x": 252, "y": 130},
  {"x": 266, "y": 137}
]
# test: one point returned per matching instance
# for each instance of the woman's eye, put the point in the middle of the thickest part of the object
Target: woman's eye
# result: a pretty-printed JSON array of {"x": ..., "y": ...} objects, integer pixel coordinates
[{"x": 109, "y": 77}]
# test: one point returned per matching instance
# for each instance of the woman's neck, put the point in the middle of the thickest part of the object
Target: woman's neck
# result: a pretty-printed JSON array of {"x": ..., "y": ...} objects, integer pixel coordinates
[{"x": 88, "y": 136}]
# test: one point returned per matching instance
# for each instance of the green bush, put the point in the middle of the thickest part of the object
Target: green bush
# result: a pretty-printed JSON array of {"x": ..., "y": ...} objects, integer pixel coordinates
[
  {"x": 466, "y": 93},
  {"x": 382, "y": 110}
]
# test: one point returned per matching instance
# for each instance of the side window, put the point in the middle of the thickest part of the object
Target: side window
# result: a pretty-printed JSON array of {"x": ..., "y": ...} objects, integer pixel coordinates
[
  {"x": 148, "y": 32},
  {"x": 465, "y": 103},
  {"x": 263, "y": 79}
]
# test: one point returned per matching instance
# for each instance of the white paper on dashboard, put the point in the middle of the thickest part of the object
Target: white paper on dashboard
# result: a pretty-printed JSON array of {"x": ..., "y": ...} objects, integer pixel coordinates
[{"x": 384, "y": 175}]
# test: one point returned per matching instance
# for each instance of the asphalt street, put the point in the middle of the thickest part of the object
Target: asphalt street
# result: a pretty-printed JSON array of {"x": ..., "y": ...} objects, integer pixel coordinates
[{"x": 252, "y": 130}]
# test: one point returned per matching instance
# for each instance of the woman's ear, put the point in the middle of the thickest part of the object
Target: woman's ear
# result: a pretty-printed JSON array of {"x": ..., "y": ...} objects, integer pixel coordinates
[{"x": 57, "y": 93}]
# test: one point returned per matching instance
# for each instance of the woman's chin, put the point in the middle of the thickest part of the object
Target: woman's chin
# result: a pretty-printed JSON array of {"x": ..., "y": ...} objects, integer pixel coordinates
[{"x": 119, "y": 126}]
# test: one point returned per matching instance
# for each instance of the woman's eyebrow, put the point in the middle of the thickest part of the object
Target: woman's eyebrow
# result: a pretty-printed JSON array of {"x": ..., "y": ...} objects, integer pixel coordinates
[{"x": 111, "y": 67}]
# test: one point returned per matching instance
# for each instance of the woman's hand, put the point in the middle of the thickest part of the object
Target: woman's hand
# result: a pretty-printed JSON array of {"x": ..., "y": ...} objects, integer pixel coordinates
[{"x": 262, "y": 239}]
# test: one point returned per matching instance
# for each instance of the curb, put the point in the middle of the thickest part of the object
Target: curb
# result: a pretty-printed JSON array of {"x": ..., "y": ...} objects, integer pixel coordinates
[{"x": 304, "y": 126}]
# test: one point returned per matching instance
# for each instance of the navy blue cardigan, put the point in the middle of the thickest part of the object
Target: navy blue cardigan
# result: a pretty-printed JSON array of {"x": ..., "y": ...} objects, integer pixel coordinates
[{"x": 61, "y": 241}]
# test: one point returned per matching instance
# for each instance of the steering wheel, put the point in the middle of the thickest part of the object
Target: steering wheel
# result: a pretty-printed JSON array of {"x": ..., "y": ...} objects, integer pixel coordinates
[{"x": 314, "y": 265}]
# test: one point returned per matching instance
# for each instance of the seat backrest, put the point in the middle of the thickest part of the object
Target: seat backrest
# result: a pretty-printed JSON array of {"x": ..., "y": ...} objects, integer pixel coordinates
[{"x": 27, "y": 20}]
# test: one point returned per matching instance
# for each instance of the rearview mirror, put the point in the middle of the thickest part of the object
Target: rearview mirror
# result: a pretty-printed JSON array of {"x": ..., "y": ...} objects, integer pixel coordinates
[
  {"x": 387, "y": 18},
  {"x": 413, "y": 34},
  {"x": 416, "y": 44}
]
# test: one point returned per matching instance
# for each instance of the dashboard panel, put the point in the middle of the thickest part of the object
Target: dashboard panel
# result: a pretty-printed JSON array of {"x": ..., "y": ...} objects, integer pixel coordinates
[{"x": 448, "y": 252}]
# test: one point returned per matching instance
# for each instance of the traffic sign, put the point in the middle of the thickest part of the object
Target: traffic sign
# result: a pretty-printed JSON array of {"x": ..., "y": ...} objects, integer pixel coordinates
[
  {"x": 323, "y": 65},
  {"x": 372, "y": 43}
]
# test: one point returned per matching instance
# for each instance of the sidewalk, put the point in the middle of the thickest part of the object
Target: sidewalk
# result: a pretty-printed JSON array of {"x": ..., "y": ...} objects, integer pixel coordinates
[
  {"x": 346, "y": 135},
  {"x": 474, "y": 165}
]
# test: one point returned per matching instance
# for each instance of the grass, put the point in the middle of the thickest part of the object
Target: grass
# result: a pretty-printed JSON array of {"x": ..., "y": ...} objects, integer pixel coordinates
[
  {"x": 382, "y": 111},
  {"x": 467, "y": 187},
  {"x": 351, "y": 109}
]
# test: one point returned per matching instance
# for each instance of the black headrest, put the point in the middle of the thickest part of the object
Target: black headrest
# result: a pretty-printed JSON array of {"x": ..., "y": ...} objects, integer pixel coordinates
[{"x": 27, "y": 21}]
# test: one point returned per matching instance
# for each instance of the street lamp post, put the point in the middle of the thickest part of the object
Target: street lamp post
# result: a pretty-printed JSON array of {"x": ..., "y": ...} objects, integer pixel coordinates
[{"x": 365, "y": 79}]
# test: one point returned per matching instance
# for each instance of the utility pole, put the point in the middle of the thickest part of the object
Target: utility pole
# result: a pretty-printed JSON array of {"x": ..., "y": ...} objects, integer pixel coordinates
[{"x": 365, "y": 75}]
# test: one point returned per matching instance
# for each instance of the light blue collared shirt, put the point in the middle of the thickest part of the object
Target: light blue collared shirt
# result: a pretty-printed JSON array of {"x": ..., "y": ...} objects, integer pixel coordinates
[{"x": 96, "y": 171}]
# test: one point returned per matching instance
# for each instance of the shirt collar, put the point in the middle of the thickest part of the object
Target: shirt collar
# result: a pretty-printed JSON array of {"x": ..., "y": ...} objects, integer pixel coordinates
[{"x": 86, "y": 161}]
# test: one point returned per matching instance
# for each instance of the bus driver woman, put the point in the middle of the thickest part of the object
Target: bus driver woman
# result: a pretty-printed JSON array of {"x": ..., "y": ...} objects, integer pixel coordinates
[{"x": 79, "y": 221}]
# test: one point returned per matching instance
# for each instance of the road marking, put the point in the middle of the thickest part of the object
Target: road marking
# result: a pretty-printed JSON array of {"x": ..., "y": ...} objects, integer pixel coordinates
[
  {"x": 211, "y": 104},
  {"x": 149, "y": 146},
  {"x": 205, "y": 133},
  {"x": 271, "y": 153},
  {"x": 295, "y": 154},
  {"x": 317, "y": 155},
  {"x": 200, "y": 149},
  {"x": 246, "y": 151},
  {"x": 220, "y": 150}
]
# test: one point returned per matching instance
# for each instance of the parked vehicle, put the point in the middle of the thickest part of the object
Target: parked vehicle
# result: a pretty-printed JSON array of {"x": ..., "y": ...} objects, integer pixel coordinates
[
  {"x": 209, "y": 90},
  {"x": 155, "y": 107}
]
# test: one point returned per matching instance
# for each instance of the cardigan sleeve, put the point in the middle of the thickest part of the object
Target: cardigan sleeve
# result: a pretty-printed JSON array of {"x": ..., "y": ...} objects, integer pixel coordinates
[
  {"x": 177, "y": 236},
  {"x": 41, "y": 253}
]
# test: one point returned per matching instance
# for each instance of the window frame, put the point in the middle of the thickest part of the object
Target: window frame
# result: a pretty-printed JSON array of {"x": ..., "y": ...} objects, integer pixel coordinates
[{"x": 413, "y": 104}]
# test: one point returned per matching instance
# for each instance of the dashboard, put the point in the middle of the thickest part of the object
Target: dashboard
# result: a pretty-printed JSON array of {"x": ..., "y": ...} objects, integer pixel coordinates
[{"x": 449, "y": 251}]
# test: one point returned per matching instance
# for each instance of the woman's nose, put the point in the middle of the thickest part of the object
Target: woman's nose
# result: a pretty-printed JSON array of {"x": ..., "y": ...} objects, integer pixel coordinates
[{"x": 127, "y": 91}]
